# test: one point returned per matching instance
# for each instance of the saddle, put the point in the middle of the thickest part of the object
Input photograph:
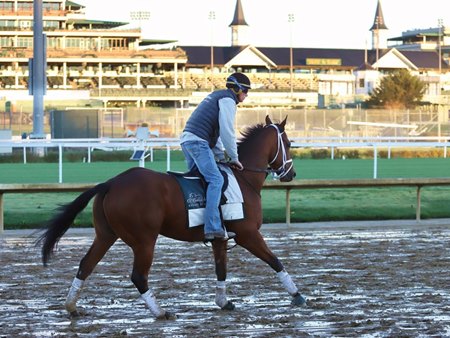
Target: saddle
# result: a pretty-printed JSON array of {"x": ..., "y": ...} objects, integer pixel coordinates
[
  {"x": 193, "y": 177},
  {"x": 193, "y": 186}
]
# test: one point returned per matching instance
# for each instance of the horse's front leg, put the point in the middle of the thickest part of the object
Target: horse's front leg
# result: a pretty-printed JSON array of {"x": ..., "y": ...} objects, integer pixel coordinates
[
  {"x": 256, "y": 244},
  {"x": 220, "y": 259}
]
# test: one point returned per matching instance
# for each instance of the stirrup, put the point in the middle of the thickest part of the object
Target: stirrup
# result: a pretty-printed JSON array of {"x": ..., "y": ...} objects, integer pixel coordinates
[{"x": 228, "y": 235}]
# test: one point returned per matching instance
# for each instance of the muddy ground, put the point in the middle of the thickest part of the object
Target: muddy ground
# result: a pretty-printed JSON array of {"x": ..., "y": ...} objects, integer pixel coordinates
[{"x": 359, "y": 283}]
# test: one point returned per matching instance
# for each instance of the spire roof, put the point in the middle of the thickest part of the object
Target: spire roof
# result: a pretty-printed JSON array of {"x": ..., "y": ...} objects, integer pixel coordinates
[
  {"x": 239, "y": 19},
  {"x": 378, "y": 22}
]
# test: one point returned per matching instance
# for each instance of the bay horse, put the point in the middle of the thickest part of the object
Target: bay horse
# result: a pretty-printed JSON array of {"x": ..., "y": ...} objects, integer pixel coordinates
[{"x": 140, "y": 204}]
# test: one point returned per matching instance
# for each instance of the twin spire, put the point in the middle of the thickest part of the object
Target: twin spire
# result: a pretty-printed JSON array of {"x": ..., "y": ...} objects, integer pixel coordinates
[
  {"x": 378, "y": 22},
  {"x": 239, "y": 27},
  {"x": 379, "y": 30}
]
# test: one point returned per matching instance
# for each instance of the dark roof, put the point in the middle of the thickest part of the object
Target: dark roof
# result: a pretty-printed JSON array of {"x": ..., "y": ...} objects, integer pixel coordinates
[
  {"x": 348, "y": 58},
  {"x": 148, "y": 42},
  {"x": 351, "y": 58},
  {"x": 418, "y": 36},
  {"x": 378, "y": 22},
  {"x": 74, "y": 4},
  {"x": 97, "y": 23},
  {"x": 310, "y": 57},
  {"x": 238, "y": 19},
  {"x": 365, "y": 66},
  {"x": 201, "y": 55},
  {"x": 424, "y": 59}
]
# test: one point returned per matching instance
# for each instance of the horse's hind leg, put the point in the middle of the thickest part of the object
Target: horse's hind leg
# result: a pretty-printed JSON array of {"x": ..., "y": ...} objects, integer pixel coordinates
[
  {"x": 143, "y": 258},
  {"x": 103, "y": 240},
  {"x": 95, "y": 253},
  {"x": 256, "y": 244}
]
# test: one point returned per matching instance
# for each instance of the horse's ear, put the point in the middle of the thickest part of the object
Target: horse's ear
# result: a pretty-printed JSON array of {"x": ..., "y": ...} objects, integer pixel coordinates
[
  {"x": 283, "y": 123},
  {"x": 268, "y": 120}
]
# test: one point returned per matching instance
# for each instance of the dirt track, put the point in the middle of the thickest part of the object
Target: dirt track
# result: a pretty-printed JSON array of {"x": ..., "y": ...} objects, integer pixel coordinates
[{"x": 358, "y": 283}]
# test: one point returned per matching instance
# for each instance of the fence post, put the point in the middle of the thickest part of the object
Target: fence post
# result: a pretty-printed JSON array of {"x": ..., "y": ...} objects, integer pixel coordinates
[
  {"x": 89, "y": 154},
  {"x": 418, "y": 204},
  {"x": 288, "y": 207},
  {"x": 168, "y": 157},
  {"x": 60, "y": 164},
  {"x": 375, "y": 161},
  {"x": 1, "y": 212}
]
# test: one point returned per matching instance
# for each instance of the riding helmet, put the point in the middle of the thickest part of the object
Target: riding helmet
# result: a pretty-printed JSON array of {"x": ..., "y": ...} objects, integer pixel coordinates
[{"x": 238, "y": 82}]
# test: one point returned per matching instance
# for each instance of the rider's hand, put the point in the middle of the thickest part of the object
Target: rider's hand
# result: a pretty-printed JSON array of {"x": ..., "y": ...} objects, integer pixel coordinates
[{"x": 237, "y": 165}]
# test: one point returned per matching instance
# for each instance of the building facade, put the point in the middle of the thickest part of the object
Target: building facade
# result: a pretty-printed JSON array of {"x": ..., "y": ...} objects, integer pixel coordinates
[{"x": 109, "y": 63}]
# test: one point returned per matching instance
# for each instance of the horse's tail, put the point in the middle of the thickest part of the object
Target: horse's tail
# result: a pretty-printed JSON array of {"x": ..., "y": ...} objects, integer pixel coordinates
[{"x": 61, "y": 222}]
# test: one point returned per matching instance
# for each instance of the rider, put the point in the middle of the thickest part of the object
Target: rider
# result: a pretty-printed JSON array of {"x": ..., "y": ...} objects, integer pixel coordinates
[{"x": 208, "y": 132}]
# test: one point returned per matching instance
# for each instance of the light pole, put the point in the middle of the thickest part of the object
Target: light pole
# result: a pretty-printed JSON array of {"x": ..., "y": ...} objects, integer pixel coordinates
[
  {"x": 440, "y": 23},
  {"x": 291, "y": 20},
  {"x": 38, "y": 80},
  {"x": 212, "y": 17},
  {"x": 140, "y": 16}
]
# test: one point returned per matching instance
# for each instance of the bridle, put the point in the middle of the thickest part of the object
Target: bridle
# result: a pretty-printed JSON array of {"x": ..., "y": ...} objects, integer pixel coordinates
[{"x": 286, "y": 165}]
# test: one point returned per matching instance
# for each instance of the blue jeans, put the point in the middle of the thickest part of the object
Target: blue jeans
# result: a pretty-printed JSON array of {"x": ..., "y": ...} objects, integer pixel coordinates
[{"x": 199, "y": 154}]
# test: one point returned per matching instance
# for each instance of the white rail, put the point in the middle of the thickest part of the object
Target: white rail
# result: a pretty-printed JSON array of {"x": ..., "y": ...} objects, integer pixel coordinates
[
  {"x": 107, "y": 144},
  {"x": 333, "y": 143}
]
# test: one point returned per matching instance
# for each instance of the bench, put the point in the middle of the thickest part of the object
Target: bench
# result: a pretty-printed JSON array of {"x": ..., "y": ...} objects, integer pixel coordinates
[{"x": 269, "y": 185}]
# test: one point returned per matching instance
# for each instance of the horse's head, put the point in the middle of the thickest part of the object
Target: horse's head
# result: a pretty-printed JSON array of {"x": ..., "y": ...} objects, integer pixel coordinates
[{"x": 280, "y": 161}]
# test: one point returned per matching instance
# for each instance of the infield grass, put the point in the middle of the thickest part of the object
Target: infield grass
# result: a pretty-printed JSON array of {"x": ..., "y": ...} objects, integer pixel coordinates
[{"x": 31, "y": 210}]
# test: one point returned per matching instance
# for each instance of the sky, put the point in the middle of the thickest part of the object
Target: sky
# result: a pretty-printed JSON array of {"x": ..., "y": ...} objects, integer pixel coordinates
[{"x": 317, "y": 23}]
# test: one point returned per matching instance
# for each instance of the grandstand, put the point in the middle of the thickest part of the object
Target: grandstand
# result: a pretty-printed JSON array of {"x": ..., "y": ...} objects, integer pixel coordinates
[{"x": 99, "y": 56}]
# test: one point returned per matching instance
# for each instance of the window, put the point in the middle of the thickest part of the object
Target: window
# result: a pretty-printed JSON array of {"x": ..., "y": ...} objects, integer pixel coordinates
[
  {"x": 7, "y": 23},
  {"x": 6, "y": 41},
  {"x": 361, "y": 83},
  {"x": 25, "y": 6},
  {"x": 25, "y": 42},
  {"x": 6, "y": 6},
  {"x": 53, "y": 42},
  {"x": 51, "y": 24},
  {"x": 50, "y": 6},
  {"x": 73, "y": 43},
  {"x": 25, "y": 24}
]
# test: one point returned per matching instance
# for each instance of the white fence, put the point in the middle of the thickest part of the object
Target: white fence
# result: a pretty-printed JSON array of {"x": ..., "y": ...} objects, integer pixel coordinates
[{"x": 132, "y": 144}]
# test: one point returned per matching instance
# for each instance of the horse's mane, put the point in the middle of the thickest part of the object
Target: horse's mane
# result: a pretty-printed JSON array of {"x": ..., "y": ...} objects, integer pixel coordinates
[{"x": 249, "y": 133}]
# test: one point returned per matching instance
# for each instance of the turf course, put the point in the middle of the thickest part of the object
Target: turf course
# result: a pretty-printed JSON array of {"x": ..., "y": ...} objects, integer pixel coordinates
[{"x": 31, "y": 210}]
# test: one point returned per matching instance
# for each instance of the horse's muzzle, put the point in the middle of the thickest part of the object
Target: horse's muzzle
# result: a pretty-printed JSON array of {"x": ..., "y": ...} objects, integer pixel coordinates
[{"x": 289, "y": 177}]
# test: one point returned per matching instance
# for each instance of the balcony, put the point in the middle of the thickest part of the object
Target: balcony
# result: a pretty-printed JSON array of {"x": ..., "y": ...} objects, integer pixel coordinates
[{"x": 26, "y": 12}]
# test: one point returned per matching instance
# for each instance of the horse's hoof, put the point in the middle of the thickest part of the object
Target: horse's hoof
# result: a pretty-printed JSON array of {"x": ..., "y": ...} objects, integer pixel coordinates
[
  {"x": 167, "y": 316},
  {"x": 298, "y": 300},
  {"x": 229, "y": 306},
  {"x": 74, "y": 314}
]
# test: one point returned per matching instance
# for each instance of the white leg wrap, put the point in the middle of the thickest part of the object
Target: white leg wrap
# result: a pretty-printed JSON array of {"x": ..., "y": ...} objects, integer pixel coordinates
[
  {"x": 287, "y": 282},
  {"x": 74, "y": 293},
  {"x": 150, "y": 301},
  {"x": 221, "y": 294}
]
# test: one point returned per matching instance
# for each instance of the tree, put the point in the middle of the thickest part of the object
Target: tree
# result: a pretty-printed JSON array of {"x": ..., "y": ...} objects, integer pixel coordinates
[{"x": 398, "y": 90}]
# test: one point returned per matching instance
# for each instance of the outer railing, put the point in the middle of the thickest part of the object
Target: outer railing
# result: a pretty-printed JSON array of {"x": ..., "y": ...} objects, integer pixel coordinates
[
  {"x": 288, "y": 187},
  {"x": 91, "y": 144},
  {"x": 331, "y": 143}
]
